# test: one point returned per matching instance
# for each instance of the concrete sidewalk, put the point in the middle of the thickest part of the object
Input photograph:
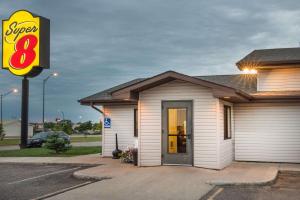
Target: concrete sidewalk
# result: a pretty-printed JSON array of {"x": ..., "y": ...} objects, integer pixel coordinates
[{"x": 237, "y": 173}]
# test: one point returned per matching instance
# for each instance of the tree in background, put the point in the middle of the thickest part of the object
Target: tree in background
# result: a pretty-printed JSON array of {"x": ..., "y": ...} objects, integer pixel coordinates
[
  {"x": 85, "y": 126},
  {"x": 49, "y": 125},
  {"x": 64, "y": 125},
  {"x": 97, "y": 126}
]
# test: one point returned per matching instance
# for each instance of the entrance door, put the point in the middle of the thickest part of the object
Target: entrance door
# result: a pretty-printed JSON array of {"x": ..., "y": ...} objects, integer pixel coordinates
[{"x": 177, "y": 132}]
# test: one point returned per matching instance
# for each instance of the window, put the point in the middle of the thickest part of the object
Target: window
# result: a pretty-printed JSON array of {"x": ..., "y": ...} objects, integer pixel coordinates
[
  {"x": 227, "y": 122},
  {"x": 135, "y": 122}
]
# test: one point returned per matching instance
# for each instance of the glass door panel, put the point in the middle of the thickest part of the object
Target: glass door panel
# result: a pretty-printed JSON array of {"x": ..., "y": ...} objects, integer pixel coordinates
[{"x": 177, "y": 118}]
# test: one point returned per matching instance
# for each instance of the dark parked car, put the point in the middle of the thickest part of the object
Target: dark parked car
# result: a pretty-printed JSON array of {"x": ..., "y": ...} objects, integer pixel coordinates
[{"x": 38, "y": 139}]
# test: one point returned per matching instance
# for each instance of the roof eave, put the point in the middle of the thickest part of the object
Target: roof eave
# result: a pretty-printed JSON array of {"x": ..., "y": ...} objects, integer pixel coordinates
[
  {"x": 268, "y": 65},
  {"x": 109, "y": 102}
]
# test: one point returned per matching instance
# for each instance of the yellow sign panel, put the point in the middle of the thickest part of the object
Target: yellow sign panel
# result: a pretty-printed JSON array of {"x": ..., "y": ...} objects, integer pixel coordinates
[{"x": 25, "y": 40}]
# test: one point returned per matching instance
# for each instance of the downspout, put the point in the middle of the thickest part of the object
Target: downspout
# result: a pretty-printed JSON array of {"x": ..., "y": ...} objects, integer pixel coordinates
[
  {"x": 102, "y": 131},
  {"x": 100, "y": 111}
]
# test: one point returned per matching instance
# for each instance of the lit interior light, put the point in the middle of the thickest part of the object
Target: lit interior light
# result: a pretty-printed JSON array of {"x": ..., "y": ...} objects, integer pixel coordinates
[
  {"x": 226, "y": 97},
  {"x": 15, "y": 90},
  {"x": 55, "y": 74}
]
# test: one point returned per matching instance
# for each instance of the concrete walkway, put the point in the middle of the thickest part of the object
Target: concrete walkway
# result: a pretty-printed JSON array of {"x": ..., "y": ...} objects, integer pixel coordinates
[
  {"x": 125, "y": 181},
  {"x": 236, "y": 173}
]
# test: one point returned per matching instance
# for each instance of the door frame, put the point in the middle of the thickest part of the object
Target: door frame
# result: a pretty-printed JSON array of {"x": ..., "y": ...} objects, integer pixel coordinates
[{"x": 192, "y": 130}]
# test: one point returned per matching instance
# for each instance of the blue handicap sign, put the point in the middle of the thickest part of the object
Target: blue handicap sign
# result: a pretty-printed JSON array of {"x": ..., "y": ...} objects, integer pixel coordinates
[{"x": 107, "y": 122}]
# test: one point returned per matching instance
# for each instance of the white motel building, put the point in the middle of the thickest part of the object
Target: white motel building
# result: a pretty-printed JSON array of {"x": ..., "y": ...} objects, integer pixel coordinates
[{"x": 209, "y": 121}]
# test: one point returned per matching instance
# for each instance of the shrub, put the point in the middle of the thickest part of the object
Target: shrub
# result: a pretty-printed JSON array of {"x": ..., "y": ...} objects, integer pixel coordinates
[
  {"x": 127, "y": 155},
  {"x": 56, "y": 143}
]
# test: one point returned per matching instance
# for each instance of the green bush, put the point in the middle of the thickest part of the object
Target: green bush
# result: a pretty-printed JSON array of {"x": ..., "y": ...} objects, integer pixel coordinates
[{"x": 57, "y": 144}]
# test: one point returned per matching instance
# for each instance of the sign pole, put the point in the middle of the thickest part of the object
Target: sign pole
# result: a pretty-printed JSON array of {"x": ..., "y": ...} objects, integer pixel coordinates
[
  {"x": 25, "y": 52},
  {"x": 24, "y": 112}
]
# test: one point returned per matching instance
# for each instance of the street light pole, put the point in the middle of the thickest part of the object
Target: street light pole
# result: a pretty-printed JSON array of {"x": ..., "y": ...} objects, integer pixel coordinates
[
  {"x": 44, "y": 86},
  {"x": 1, "y": 99},
  {"x": 1, "y": 109},
  {"x": 62, "y": 114}
]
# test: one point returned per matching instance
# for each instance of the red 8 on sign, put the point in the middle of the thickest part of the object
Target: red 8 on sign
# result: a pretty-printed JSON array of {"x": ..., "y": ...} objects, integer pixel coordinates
[{"x": 24, "y": 54}]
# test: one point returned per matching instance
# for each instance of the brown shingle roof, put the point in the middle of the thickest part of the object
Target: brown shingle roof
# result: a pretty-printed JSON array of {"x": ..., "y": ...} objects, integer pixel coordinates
[
  {"x": 243, "y": 82},
  {"x": 271, "y": 58},
  {"x": 106, "y": 94}
]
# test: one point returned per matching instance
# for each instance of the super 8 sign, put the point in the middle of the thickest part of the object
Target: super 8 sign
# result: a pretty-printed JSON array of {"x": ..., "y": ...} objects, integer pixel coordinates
[{"x": 25, "y": 43}]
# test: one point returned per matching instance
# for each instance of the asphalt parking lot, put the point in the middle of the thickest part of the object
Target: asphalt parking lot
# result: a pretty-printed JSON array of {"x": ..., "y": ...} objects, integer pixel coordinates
[
  {"x": 286, "y": 186},
  {"x": 32, "y": 181}
]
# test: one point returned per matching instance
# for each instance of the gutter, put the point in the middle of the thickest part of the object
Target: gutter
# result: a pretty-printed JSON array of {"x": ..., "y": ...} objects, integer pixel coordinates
[{"x": 245, "y": 95}]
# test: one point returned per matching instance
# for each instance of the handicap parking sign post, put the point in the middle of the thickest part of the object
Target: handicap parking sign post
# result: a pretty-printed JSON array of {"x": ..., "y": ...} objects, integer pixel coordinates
[{"x": 107, "y": 122}]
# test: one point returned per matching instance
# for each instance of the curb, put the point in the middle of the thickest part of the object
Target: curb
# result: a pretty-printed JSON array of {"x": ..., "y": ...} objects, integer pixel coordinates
[
  {"x": 62, "y": 191},
  {"x": 260, "y": 183},
  {"x": 78, "y": 175}
]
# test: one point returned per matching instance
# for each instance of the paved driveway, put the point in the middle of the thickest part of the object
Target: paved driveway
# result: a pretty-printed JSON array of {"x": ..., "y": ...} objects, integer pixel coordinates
[
  {"x": 28, "y": 181},
  {"x": 286, "y": 186}
]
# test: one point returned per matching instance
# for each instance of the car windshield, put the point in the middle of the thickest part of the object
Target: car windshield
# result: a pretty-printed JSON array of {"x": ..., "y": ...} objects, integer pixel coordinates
[
  {"x": 40, "y": 135},
  {"x": 62, "y": 134}
]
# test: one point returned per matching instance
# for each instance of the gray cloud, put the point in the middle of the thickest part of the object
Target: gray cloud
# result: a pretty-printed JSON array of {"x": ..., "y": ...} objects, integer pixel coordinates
[{"x": 97, "y": 44}]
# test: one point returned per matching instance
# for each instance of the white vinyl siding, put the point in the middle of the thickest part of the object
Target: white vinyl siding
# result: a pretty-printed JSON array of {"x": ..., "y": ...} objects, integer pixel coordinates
[
  {"x": 278, "y": 80},
  {"x": 226, "y": 150},
  {"x": 122, "y": 123},
  {"x": 267, "y": 132},
  {"x": 204, "y": 121}
]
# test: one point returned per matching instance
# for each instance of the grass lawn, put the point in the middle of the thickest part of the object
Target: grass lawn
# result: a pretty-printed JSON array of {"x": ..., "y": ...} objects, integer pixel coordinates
[
  {"x": 43, "y": 152},
  {"x": 6, "y": 142},
  {"x": 89, "y": 138}
]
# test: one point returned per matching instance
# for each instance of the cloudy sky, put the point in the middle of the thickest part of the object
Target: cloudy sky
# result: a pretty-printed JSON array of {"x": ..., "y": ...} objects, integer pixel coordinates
[{"x": 96, "y": 44}]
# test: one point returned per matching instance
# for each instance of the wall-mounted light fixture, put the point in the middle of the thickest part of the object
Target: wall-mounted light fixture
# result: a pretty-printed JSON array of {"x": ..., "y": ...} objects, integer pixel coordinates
[{"x": 249, "y": 71}]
